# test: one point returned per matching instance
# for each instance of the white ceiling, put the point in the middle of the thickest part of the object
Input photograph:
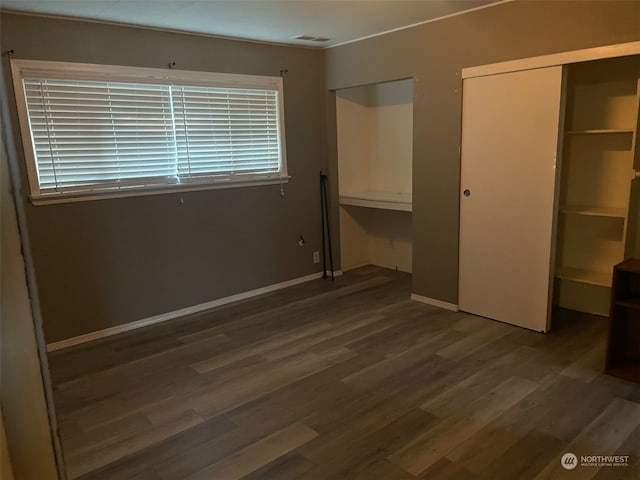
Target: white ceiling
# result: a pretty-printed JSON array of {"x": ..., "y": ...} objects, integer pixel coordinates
[{"x": 265, "y": 20}]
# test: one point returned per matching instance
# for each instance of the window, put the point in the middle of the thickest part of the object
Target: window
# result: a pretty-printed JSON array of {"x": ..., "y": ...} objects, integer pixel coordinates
[{"x": 101, "y": 130}]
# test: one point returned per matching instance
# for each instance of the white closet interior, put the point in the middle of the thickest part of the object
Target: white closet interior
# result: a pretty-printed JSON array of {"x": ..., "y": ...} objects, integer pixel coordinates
[
  {"x": 597, "y": 172},
  {"x": 375, "y": 135}
]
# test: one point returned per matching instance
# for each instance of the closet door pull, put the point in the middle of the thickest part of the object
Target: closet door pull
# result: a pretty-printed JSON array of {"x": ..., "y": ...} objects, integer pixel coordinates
[{"x": 466, "y": 192}]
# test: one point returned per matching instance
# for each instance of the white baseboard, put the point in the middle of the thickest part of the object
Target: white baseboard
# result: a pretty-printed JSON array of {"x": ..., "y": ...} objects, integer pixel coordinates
[
  {"x": 369, "y": 264},
  {"x": 163, "y": 317},
  {"x": 353, "y": 267},
  {"x": 336, "y": 273},
  {"x": 435, "y": 303}
]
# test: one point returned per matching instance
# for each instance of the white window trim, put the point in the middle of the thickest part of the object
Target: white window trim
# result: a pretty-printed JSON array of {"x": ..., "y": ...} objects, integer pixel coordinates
[{"x": 115, "y": 73}]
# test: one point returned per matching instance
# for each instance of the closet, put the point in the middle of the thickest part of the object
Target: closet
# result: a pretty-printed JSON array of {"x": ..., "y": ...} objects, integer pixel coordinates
[
  {"x": 374, "y": 138},
  {"x": 597, "y": 171},
  {"x": 548, "y": 200}
]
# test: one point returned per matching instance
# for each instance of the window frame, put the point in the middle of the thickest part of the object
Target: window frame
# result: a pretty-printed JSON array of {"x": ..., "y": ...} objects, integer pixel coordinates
[{"x": 114, "y": 73}]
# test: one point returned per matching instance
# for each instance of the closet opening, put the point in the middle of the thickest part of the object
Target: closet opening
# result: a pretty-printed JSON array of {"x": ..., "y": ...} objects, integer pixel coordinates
[
  {"x": 375, "y": 155},
  {"x": 595, "y": 228}
]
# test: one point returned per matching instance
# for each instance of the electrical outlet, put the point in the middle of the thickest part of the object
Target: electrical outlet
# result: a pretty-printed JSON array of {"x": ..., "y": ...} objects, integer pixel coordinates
[{"x": 316, "y": 257}]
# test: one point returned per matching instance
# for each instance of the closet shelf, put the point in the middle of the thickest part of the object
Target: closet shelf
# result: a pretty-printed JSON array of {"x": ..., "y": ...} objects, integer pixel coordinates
[
  {"x": 629, "y": 303},
  {"x": 382, "y": 200},
  {"x": 584, "y": 276},
  {"x": 600, "y": 131},
  {"x": 594, "y": 211}
]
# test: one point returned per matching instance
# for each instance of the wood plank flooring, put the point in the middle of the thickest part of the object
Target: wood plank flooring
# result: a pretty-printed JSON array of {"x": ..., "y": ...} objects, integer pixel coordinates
[{"x": 344, "y": 380}]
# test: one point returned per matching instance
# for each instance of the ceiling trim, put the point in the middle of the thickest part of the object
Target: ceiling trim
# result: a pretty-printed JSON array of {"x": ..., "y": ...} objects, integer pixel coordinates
[
  {"x": 431, "y": 20},
  {"x": 243, "y": 39},
  {"x": 162, "y": 29}
]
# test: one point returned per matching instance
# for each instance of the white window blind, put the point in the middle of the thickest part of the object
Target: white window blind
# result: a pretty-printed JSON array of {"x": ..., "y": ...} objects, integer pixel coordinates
[
  {"x": 94, "y": 135},
  {"x": 100, "y": 133},
  {"x": 226, "y": 131}
]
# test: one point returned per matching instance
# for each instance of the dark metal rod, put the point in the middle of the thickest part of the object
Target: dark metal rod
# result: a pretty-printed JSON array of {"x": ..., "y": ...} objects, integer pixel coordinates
[
  {"x": 324, "y": 256},
  {"x": 326, "y": 213}
]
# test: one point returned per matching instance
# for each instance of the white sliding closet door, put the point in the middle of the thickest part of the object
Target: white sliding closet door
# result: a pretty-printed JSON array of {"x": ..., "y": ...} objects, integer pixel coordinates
[{"x": 510, "y": 131}]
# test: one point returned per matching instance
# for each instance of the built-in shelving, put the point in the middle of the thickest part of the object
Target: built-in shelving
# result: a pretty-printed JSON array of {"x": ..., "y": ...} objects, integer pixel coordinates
[
  {"x": 375, "y": 159},
  {"x": 589, "y": 277},
  {"x": 381, "y": 200},
  {"x": 598, "y": 158},
  {"x": 594, "y": 211},
  {"x": 600, "y": 131}
]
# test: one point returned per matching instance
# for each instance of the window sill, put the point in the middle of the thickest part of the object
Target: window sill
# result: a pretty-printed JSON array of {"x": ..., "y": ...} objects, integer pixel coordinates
[{"x": 53, "y": 198}]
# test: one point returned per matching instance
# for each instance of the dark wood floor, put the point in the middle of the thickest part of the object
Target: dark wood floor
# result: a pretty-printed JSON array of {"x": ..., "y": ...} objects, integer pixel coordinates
[{"x": 344, "y": 380}]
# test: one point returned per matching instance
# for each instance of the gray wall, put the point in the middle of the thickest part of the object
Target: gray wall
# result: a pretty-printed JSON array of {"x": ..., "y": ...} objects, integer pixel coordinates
[
  {"x": 108, "y": 262},
  {"x": 23, "y": 403},
  {"x": 434, "y": 54}
]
